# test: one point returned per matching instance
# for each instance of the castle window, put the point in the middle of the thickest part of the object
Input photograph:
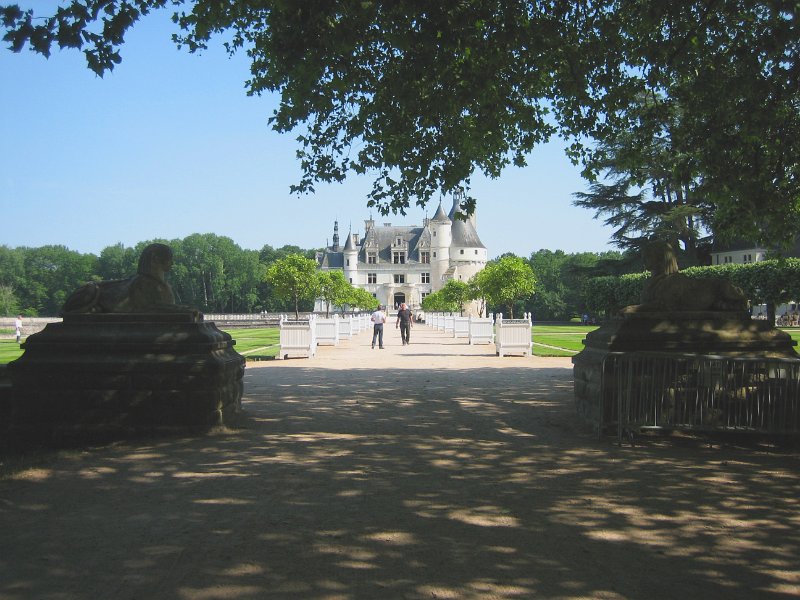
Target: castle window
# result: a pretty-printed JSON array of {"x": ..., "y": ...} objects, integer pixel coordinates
[
  {"x": 425, "y": 257},
  {"x": 399, "y": 257},
  {"x": 348, "y": 262},
  {"x": 462, "y": 251},
  {"x": 425, "y": 278},
  {"x": 434, "y": 255},
  {"x": 399, "y": 278},
  {"x": 372, "y": 278},
  {"x": 476, "y": 252},
  {"x": 398, "y": 241},
  {"x": 372, "y": 258}
]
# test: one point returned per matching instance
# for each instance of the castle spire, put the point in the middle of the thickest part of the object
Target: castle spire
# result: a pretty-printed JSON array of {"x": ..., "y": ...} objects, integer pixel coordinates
[{"x": 335, "y": 246}]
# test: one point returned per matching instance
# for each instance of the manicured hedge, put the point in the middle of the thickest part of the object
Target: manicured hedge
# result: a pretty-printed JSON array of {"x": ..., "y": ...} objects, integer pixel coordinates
[{"x": 768, "y": 282}]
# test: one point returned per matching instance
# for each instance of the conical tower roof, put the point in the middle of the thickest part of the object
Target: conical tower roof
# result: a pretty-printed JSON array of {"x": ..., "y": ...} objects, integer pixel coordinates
[
  {"x": 348, "y": 245},
  {"x": 440, "y": 214},
  {"x": 464, "y": 234}
]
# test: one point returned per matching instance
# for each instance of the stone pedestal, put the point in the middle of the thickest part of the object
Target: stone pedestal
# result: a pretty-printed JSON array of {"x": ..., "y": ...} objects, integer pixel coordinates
[
  {"x": 726, "y": 334},
  {"x": 100, "y": 377}
]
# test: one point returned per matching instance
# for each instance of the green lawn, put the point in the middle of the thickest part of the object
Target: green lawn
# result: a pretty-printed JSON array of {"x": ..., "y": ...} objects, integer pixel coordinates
[
  {"x": 795, "y": 333},
  {"x": 559, "y": 340},
  {"x": 256, "y": 344},
  {"x": 9, "y": 350}
]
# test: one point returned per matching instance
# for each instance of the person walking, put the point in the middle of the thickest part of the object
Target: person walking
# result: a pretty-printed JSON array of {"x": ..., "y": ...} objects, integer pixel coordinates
[
  {"x": 404, "y": 320},
  {"x": 18, "y": 327},
  {"x": 378, "y": 318}
]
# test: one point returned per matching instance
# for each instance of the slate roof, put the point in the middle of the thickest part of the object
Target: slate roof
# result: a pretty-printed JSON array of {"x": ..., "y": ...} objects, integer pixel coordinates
[
  {"x": 440, "y": 214},
  {"x": 464, "y": 234},
  {"x": 386, "y": 236},
  {"x": 383, "y": 237},
  {"x": 332, "y": 260}
]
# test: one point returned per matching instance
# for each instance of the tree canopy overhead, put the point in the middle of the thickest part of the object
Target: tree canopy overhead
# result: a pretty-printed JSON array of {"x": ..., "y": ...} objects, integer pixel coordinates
[{"x": 423, "y": 94}]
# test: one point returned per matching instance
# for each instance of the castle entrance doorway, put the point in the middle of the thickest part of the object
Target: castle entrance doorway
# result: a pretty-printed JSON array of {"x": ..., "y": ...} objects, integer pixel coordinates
[{"x": 399, "y": 298}]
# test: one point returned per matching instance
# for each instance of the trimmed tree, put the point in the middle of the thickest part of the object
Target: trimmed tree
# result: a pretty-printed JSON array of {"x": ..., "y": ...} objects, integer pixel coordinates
[
  {"x": 362, "y": 299},
  {"x": 505, "y": 281},
  {"x": 334, "y": 289},
  {"x": 294, "y": 278},
  {"x": 456, "y": 293}
]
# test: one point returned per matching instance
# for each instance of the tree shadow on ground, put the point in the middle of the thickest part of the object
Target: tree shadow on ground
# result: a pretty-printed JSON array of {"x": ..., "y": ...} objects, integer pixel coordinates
[{"x": 404, "y": 484}]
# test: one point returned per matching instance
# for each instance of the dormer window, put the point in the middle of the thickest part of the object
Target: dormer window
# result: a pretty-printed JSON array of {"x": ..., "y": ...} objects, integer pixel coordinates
[
  {"x": 372, "y": 258},
  {"x": 399, "y": 257},
  {"x": 425, "y": 257}
]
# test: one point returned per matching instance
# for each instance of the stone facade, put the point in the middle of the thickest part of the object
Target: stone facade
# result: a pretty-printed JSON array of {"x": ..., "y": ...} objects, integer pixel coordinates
[{"x": 406, "y": 263}]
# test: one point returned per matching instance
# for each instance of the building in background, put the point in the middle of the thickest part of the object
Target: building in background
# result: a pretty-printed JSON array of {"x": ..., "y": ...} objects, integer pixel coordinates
[
  {"x": 399, "y": 264},
  {"x": 743, "y": 252}
]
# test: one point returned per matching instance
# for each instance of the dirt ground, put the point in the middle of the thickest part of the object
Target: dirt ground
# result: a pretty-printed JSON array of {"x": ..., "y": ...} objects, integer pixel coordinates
[{"x": 434, "y": 470}]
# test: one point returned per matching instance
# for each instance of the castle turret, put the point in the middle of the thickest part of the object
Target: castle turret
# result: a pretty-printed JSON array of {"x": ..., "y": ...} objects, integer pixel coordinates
[
  {"x": 351, "y": 259},
  {"x": 441, "y": 238}
]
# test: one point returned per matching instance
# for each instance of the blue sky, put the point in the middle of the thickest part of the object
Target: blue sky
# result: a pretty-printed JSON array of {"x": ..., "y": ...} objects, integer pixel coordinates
[{"x": 169, "y": 144}]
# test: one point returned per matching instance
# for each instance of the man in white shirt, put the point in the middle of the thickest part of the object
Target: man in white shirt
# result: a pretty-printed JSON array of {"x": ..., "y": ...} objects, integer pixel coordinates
[
  {"x": 378, "y": 318},
  {"x": 18, "y": 327}
]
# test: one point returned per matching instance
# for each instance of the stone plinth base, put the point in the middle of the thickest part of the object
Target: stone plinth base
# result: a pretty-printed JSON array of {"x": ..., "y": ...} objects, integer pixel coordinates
[
  {"x": 725, "y": 334},
  {"x": 100, "y": 377}
]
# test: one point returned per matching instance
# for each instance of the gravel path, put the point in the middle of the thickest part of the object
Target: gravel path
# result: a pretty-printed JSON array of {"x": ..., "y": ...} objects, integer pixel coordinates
[{"x": 434, "y": 470}]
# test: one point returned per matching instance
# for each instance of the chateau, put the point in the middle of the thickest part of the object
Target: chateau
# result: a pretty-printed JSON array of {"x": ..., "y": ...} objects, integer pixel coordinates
[{"x": 406, "y": 263}]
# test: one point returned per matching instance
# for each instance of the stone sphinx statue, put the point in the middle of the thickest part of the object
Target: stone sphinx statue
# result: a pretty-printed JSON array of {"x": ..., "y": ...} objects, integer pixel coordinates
[
  {"x": 145, "y": 292},
  {"x": 669, "y": 290}
]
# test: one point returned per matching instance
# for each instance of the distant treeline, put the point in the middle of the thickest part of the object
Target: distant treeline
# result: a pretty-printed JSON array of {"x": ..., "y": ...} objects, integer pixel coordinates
[
  {"x": 210, "y": 272},
  {"x": 216, "y": 275}
]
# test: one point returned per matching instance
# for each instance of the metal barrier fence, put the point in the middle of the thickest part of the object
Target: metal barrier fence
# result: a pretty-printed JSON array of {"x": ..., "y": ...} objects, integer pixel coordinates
[{"x": 700, "y": 392}]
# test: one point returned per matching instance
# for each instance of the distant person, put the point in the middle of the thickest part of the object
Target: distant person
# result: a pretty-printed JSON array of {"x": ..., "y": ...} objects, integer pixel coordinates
[
  {"x": 404, "y": 321},
  {"x": 18, "y": 327},
  {"x": 378, "y": 318}
]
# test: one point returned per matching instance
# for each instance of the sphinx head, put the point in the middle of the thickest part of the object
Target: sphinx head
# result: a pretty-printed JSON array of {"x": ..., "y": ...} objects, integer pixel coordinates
[
  {"x": 659, "y": 258},
  {"x": 156, "y": 259}
]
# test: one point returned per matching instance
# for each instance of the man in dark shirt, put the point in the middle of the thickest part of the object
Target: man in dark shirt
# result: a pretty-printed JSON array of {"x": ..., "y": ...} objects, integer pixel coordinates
[{"x": 404, "y": 321}]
